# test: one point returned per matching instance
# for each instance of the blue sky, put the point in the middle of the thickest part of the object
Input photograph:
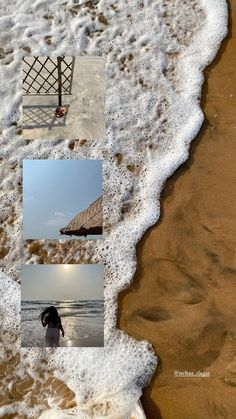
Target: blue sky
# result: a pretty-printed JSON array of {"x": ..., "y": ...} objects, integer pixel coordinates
[
  {"x": 54, "y": 191},
  {"x": 62, "y": 282}
]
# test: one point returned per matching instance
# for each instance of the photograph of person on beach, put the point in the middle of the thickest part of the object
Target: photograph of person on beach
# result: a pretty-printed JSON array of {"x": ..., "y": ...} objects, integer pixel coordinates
[
  {"x": 62, "y": 306},
  {"x": 62, "y": 199},
  {"x": 63, "y": 97}
]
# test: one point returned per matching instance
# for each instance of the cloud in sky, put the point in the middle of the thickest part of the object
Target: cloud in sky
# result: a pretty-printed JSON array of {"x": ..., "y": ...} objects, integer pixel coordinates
[
  {"x": 58, "y": 219},
  {"x": 59, "y": 214},
  {"x": 30, "y": 198}
]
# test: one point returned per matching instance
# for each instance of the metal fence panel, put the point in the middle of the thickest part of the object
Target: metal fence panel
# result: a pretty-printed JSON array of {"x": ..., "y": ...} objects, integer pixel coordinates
[{"x": 47, "y": 75}]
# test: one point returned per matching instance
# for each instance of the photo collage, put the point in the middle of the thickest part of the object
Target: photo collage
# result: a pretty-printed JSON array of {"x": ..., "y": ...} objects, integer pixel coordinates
[{"x": 62, "y": 305}]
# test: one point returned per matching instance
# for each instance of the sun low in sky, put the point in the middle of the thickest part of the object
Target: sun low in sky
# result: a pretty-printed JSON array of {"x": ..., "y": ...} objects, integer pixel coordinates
[
  {"x": 54, "y": 191},
  {"x": 62, "y": 282}
]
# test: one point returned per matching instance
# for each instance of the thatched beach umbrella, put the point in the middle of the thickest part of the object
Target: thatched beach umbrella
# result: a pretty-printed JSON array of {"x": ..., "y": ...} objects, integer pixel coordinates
[{"x": 86, "y": 222}]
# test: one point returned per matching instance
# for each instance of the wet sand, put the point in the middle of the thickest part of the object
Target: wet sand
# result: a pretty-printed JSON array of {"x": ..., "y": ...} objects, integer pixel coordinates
[{"x": 184, "y": 292}]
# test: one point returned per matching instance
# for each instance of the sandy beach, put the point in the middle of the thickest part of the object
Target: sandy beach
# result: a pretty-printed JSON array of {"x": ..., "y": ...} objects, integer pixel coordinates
[{"x": 183, "y": 296}]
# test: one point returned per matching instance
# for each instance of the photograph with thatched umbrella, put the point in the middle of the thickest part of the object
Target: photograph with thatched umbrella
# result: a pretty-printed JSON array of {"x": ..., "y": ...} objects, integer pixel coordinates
[
  {"x": 86, "y": 222},
  {"x": 54, "y": 191}
]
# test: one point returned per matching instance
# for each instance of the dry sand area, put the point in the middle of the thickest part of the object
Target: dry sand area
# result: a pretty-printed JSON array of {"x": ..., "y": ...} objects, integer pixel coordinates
[
  {"x": 85, "y": 118},
  {"x": 183, "y": 298}
]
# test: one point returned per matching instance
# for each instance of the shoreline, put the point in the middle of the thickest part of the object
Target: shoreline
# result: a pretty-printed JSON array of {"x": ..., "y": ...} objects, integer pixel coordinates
[{"x": 136, "y": 313}]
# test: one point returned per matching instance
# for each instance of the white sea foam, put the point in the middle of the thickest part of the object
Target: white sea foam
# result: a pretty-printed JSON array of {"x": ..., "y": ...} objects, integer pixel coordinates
[{"x": 155, "y": 54}]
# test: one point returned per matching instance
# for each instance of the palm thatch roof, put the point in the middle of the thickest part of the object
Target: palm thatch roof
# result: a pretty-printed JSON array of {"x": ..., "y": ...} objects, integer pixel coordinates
[{"x": 86, "y": 222}]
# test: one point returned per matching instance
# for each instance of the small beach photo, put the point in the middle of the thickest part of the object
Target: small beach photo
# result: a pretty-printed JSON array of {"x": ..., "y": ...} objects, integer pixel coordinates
[
  {"x": 62, "y": 306},
  {"x": 62, "y": 199},
  {"x": 63, "y": 97}
]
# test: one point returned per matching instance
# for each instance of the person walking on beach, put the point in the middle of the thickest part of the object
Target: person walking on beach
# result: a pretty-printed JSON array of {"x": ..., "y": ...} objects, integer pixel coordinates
[{"x": 52, "y": 320}]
